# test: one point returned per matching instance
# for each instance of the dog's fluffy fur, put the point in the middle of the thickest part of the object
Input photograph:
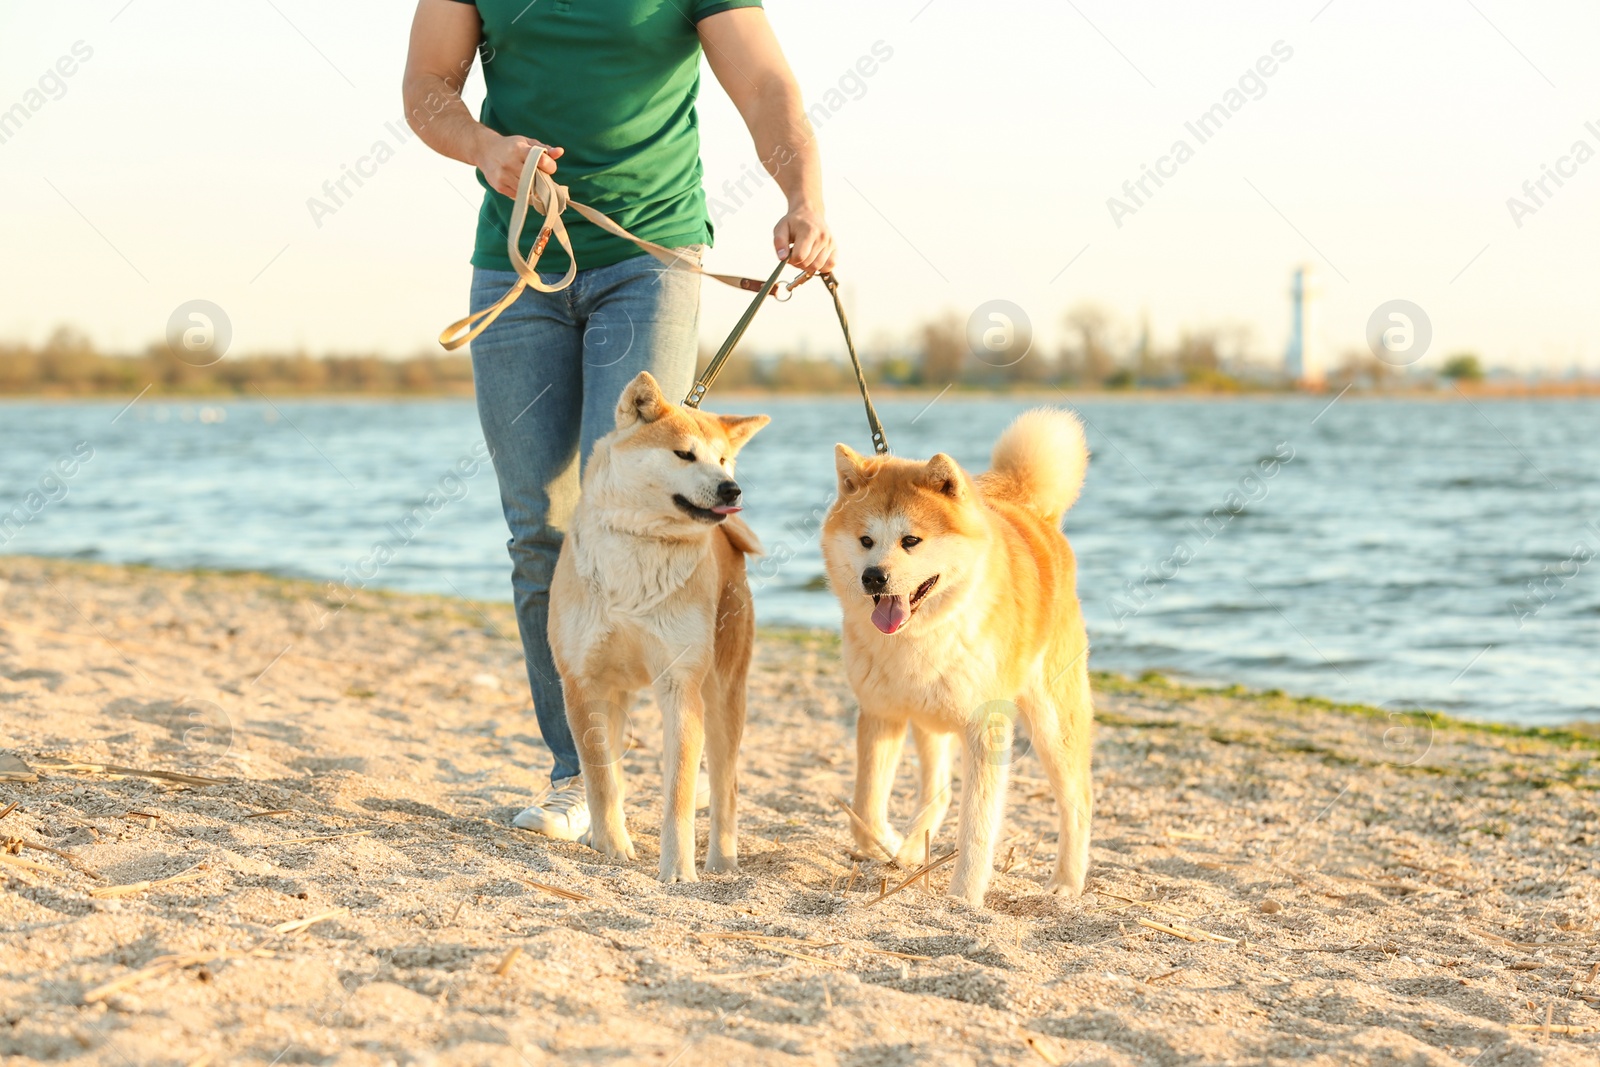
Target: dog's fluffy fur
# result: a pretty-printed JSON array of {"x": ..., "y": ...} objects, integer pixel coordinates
[
  {"x": 650, "y": 589},
  {"x": 961, "y": 615}
]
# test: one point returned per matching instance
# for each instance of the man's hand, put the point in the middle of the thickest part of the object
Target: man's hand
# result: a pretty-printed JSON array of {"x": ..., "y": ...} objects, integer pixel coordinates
[
  {"x": 803, "y": 236},
  {"x": 502, "y": 158}
]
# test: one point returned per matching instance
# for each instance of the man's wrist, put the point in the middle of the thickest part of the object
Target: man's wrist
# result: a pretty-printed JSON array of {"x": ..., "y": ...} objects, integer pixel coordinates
[{"x": 479, "y": 144}]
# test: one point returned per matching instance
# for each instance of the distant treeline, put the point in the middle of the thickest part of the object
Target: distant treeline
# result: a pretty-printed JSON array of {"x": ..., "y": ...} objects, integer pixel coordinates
[
  {"x": 1095, "y": 352},
  {"x": 68, "y": 365}
]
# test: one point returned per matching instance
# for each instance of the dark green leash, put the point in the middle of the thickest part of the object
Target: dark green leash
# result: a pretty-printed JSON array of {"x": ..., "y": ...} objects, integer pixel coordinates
[{"x": 702, "y": 385}]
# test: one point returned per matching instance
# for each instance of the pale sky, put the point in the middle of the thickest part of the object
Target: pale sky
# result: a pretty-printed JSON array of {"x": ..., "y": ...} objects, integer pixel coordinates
[{"x": 176, "y": 162}]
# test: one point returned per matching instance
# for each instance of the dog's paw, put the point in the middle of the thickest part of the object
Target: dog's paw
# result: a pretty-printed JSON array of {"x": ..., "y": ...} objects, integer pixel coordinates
[
  {"x": 968, "y": 892},
  {"x": 1061, "y": 887},
  {"x": 871, "y": 848},
  {"x": 611, "y": 848},
  {"x": 911, "y": 854},
  {"x": 973, "y": 901},
  {"x": 721, "y": 865},
  {"x": 672, "y": 876}
]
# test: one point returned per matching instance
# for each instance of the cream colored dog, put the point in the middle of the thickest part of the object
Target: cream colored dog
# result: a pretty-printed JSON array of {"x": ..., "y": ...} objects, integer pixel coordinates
[
  {"x": 961, "y": 614},
  {"x": 650, "y": 589}
]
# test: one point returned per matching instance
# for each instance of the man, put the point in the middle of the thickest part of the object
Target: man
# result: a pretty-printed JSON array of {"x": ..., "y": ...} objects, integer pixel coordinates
[{"x": 609, "y": 86}]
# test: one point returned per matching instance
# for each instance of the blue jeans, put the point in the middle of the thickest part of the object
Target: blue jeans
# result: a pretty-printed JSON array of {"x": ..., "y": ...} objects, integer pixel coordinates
[{"x": 548, "y": 373}]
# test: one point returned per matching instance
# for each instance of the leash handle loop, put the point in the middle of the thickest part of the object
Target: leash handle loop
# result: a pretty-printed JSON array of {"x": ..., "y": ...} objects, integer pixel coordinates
[{"x": 543, "y": 193}]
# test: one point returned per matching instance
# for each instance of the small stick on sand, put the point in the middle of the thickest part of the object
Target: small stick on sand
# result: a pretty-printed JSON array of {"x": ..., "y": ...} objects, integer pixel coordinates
[
  {"x": 1187, "y": 935},
  {"x": 139, "y": 887},
  {"x": 295, "y": 926},
  {"x": 855, "y": 871},
  {"x": 886, "y": 952},
  {"x": 264, "y": 814},
  {"x": 1557, "y": 1029},
  {"x": 888, "y": 853},
  {"x": 27, "y": 865},
  {"x": 9, "y": 808},
  {"x": 165, "y": 965},
  {"x": 767, "y": 972},
  {"x": 132, "y": 772},
  {"x": 139, "y": 815},
  {"x": 800, "y": 955},
  {"x": 510, "y": 958},
  {"x": 1044, "y": 1047},
  {"x": 73, "y": 861},
  {"x": 320, "y": 837},
  {"x": 554, "y": 890},
  {"x": 920, "y": 872}
]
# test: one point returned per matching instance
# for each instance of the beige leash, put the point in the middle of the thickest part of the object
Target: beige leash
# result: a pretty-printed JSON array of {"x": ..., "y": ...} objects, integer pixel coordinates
[{"x": 537, "y": 188}]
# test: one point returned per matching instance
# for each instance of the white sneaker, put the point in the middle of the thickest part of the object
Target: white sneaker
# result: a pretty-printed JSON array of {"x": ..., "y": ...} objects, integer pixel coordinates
[{"x": 563, "y": 813}]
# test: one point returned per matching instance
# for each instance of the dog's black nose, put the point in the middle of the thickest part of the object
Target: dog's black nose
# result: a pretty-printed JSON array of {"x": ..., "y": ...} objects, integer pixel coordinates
[
  {"x": 728, "y": 492},
  {"x": 874, "y": 580}
]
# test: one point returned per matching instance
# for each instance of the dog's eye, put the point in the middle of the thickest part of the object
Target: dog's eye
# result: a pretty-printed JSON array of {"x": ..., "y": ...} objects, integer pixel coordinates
[
  {"x": 686, "y": 456},
  {"x": 866, "y": 542},
  {"x": 909, "y": 542}
]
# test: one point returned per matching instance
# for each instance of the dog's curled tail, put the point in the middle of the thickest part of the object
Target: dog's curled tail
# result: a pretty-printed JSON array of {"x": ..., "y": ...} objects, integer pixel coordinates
[{"x": 1043, "y": 458}]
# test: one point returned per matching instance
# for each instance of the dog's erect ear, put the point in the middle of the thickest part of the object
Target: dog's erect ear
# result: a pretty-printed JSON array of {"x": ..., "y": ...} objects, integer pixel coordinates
[
  {"x": 851, "y": 467},
  {"x": 641, "y": 401},
  {"x": 945, "y": 477},
  {"x": 740, "y": 428}
]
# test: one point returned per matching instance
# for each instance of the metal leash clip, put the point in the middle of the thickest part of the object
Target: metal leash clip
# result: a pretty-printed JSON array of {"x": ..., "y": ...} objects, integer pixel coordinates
[{"x": 789, "y": 289}]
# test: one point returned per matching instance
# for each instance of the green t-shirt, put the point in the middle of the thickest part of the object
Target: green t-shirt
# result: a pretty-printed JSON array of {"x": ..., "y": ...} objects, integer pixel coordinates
[{"x": 614, "y": 82}]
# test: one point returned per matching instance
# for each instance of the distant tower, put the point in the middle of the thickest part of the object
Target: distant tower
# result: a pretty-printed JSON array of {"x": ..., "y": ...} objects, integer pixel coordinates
[{"x": 1300, "y": 360}]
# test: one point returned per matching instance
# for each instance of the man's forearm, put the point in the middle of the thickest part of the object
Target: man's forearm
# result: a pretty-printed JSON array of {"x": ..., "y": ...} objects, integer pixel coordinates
[
  {"x": 787, "y": 145},
  {"x": 438, "y": 115}
]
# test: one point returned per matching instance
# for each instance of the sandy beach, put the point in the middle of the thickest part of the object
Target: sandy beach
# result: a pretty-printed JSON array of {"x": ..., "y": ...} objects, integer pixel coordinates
[{"x": 321, "y": 796}]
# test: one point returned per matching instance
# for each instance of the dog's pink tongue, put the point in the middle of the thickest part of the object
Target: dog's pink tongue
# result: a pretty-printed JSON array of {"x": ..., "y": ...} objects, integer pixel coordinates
[
  {"x": 890, "y": 613},
  {"x": 727, "y": 509}
]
